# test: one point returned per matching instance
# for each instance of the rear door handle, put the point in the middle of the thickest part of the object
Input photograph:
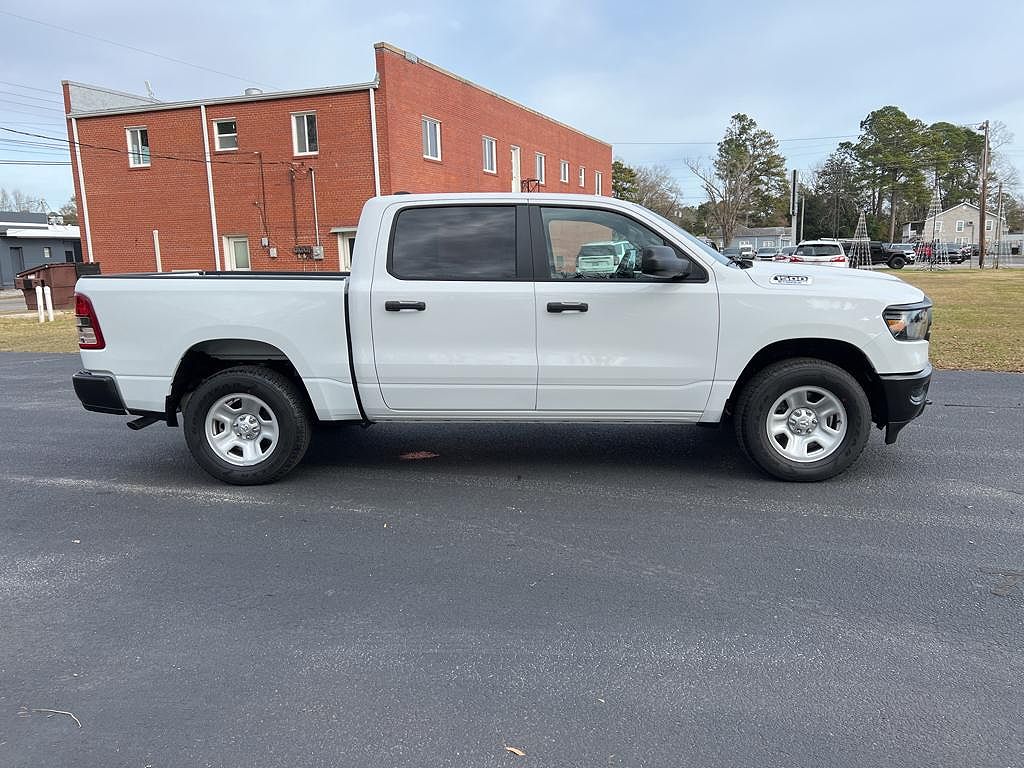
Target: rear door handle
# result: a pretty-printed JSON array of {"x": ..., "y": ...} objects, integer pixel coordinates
[
  {"x": 398, "y": 306},
  {"x": 567, "y": 306}
]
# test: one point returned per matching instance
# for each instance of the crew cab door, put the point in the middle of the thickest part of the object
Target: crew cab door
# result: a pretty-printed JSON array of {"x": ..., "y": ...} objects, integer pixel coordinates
[
  {"x": 618, "y": 342},
  {"x": 452, "y": 310}
]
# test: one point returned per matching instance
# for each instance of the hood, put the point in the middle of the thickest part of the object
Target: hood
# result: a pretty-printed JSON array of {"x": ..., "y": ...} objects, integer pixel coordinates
[{"x": 785, "y": 276}]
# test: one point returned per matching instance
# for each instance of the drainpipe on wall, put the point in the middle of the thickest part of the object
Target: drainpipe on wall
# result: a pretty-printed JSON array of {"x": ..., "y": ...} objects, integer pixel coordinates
[
  {"x": 209, "y": 187},
  {"x": 316, "y": 218},
  {"x": 81, "y": 185},
  {"x": 373, "y": 139}
]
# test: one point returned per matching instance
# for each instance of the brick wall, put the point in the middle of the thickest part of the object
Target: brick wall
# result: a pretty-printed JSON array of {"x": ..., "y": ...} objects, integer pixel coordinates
[
  {"x": 411, "y": 90},
  {"x": 263, "y": 190}
]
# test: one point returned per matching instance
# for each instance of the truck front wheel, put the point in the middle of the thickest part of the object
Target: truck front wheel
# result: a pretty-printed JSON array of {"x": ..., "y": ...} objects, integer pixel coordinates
[
  {"x": 247, "y": 425},
  {"x": 803, "y": 419}
]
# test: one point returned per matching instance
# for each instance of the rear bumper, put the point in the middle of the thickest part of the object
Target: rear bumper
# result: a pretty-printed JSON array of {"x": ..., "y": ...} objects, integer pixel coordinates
[
  {"x": 98, "y": 393},
  {"x": 906, "y": 395}
]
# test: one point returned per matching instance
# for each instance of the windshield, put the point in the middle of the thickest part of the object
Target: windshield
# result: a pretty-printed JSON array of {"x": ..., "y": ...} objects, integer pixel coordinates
[
  {"x": 701, "y": 246},
  {"x": 766, "y": 250},
  {"x": 821, "y": 249}
]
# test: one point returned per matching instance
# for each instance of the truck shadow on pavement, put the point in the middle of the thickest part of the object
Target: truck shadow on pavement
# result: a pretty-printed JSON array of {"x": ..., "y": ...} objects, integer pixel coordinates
[{"x": 638, "y": 448}]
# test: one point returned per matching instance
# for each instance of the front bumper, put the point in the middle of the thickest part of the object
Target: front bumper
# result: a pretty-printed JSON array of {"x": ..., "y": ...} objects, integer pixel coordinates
[
  {"x": 906, "y": 395},
  {"x": 98, "y": 393}
]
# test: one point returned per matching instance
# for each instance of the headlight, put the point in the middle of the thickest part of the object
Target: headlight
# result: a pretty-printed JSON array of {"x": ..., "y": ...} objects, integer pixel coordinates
[{"x": 909, "y": 322}]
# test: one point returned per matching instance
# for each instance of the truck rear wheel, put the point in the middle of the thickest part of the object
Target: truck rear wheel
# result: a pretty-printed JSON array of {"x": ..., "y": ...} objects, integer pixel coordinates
[
  {"x": 247, "y": 425},
  {"x": 803, "y": 420},
  {"x": 897, "y": 262}
]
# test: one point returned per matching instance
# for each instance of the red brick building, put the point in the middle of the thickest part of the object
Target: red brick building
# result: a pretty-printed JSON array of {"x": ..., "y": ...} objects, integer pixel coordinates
[{"x": 273, "y": 180}]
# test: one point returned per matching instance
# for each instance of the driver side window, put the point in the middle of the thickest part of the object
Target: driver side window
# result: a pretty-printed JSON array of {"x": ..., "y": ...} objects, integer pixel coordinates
[{"x": 590, "y": 244}]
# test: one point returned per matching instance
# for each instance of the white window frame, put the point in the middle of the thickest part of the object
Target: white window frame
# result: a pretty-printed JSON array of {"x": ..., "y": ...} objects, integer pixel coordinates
[
  {"x": 563, "y": 175},
  {"x": 305, "y": 133},
  {"x": 959, "y": 225},
  {"x": 583, "y": 176},
  {"x": 229, "y": 253},
  {"x": 344, "y": 254},
  {"x": 425, "y": 123},
  {"x": 539, "y": 159},
  {"x": 143, "y": 161},
  {"x": 217, "y": 135},
  {"x": 47, "y": 252},
  {"x": 767, "y": 244},
  {"x": 492, "y": 144},
  {"x": 938, "y": 226},
  {"x": 988, "y": 225},
  {"x": 598, "y": 183}
]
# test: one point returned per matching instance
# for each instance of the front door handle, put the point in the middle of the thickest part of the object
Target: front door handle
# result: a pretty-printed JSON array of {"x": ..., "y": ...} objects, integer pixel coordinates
[
  {"x": 398, "y": 306},
  {"x": 567, "y": 306}
]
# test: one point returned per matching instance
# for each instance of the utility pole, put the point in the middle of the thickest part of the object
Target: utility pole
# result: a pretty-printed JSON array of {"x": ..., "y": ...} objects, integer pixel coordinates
[
  {"x": 792, "y": 207},
  {"x": 999, "y": 224},
  {"x": 984, "y": 194}
]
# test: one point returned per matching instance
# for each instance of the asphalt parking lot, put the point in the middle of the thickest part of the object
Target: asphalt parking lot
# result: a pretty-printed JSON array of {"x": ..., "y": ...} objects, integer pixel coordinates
[{"x": 593, "y": 596}]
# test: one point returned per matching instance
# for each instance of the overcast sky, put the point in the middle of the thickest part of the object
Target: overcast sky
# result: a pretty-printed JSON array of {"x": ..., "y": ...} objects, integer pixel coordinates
[{"x": 626, "y": 72}]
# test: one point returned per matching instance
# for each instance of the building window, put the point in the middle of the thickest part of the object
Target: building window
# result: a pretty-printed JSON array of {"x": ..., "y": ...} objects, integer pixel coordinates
[
  {"x": 225, "y": 134},
  {"x": 959, "y": 225},
  {"x": 304, "y": 138},
  {"x": 598, "y": 183},
  {"x": 138, "y": 147},
  {"x": 46, "y": 251},
  {"x": 767, "y": 243},
  {"x": 988, "y": 225},
  {"x": 431, "y": 138},
  {"x": 563, "y": 175},
  {"x": 583, "y": 176},
  {"x": 236, "y": 254},
  {"x": 490, "y": 155},
  {"x": 938, "y": 226},
  {"x": 539, "y": 170}
]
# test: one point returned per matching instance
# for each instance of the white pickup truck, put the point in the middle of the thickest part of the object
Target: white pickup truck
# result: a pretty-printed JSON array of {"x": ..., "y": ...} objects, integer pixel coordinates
[{"x": 470, "y": 307}]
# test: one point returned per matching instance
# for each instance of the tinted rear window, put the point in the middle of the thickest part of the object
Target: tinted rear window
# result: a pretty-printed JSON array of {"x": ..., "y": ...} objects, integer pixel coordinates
[{"x": 471, "y": 242}]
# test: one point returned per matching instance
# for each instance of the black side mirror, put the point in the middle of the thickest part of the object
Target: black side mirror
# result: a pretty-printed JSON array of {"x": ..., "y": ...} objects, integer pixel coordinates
[{"x": 663, "y": 262}]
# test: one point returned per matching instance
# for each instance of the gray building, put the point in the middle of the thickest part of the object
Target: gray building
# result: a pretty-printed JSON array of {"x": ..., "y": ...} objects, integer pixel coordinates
[
  {"x": 762, "y": 237},
  {"x": 959, "y": 225},
  {"x": 28, "y": 240}
]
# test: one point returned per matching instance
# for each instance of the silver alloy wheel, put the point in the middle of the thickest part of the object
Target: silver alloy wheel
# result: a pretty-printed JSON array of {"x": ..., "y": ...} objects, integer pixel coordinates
[
  {"x": 806, "y": 424},
  {"x": 242, "y": 429}
]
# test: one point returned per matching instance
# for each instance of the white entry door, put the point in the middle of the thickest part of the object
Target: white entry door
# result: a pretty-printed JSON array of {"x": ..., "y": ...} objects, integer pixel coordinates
[{"x": 517, "y": 174}]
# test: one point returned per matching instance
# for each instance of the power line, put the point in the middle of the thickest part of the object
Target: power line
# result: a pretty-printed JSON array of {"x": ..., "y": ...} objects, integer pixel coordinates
[
  {"x": 718, "y": 141},
  {"x": 34, "y": 98},
  {"x": 33, "y": 162},
  {"x": 132, "y": 48},
  {"x": 29, "y": 87},
  {"x": 125, "y": 151},
  {"x": 32, "y": 106}
]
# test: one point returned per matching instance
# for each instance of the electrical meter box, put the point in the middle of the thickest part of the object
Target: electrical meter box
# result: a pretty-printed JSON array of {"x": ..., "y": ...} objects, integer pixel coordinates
[{"x": 318, "y": 252}]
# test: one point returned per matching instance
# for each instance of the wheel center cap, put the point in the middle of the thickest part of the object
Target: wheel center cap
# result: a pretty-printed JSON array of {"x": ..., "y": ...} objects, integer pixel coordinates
[
  {"x": 247, "y": 427},
  {"x": 803, "y": 421}
]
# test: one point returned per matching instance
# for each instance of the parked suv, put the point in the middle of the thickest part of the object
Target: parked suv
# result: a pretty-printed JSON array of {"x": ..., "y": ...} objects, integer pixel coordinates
[{"x": 827, "y": 253}]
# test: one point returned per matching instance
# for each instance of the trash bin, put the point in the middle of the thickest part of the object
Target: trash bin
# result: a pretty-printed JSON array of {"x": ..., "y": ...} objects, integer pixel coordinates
[{"x": 60, "y": 277}]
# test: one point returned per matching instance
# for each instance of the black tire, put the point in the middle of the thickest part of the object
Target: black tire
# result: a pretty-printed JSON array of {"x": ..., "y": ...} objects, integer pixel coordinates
[
  {"x": 897, "y": 262},
  {"x": 288, "y": 408},
  {"x": 771, "y": 383}
]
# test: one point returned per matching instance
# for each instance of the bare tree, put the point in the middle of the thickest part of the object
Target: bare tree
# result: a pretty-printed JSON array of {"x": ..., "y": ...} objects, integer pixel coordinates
[
  {"x": 746, "y": 178},
  {"x": 16, "y": 200},
  {"x": 657, "y": 189},
  {"x": 730, "y": 194}
]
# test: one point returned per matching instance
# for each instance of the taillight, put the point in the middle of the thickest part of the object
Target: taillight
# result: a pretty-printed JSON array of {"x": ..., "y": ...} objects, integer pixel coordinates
[
  {"x": 795, "y": 259},
  {"x": 838, "y": 258},
  {"x": 89, "y": 334}
]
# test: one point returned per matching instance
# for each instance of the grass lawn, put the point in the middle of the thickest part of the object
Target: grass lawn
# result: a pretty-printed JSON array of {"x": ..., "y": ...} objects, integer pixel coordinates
[
  {"x": 27, "y": 334},
  {"x": 978, "y": 317},
  {"x": 979, "y": 321}
]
